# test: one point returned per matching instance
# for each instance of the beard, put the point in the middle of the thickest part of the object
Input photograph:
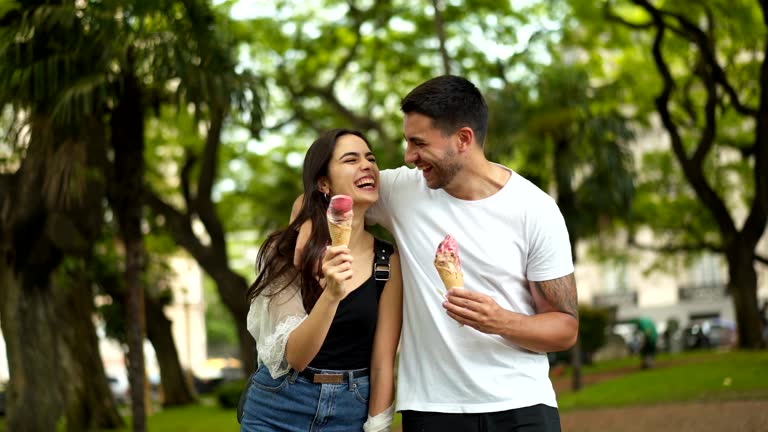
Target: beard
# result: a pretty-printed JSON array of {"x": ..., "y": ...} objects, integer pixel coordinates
[{"x": 444, "y": 171}]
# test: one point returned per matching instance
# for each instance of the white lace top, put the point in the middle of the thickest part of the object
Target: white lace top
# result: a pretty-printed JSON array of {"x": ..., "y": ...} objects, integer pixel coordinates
[{"x": 271, "y": 319}]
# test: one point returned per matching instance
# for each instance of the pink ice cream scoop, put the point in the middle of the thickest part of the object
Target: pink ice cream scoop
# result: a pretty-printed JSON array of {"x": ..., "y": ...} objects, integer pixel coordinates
[
  {"x": 448, "y": 250},
  {"x": 448, "y": 263},
  {"x": 339, "y": 207},
  {"x": 340, "y": 219}
]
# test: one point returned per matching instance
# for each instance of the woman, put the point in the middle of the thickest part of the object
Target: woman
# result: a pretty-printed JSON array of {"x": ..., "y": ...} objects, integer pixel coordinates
[{"x": 326, "y": 335}]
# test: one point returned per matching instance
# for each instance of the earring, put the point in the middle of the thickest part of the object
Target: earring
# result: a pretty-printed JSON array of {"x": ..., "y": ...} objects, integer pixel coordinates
[{"x": 325, "y": 194}]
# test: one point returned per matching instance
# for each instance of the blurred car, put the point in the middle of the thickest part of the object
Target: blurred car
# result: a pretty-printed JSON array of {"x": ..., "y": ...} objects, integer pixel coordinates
[
  {"x": 120, "y": 389},
  {"x": 628, "y": 332},
  {"x": 710, "y": 333},
  {"x": 216, "y": 371}
]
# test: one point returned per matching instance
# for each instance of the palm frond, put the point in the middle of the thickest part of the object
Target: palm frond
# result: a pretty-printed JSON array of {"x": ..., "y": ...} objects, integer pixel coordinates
[
  {"x": 46, "y": 17},
  {"x": 34, "y": 80},
  {"x": 80, "y": 99}
]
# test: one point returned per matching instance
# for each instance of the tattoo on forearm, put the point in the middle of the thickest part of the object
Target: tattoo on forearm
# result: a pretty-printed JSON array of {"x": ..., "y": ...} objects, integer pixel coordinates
[{"x": 561, "y": 294}]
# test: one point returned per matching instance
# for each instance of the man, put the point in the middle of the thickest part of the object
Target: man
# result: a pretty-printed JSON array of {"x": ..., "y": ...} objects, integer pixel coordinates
[
  {"x": 648, "y": 339},
  {"x": 489, "y": 371}
]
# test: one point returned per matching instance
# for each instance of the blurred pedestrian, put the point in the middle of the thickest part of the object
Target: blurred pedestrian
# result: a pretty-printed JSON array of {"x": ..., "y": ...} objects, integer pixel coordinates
[{"x": 648, "y": 340}]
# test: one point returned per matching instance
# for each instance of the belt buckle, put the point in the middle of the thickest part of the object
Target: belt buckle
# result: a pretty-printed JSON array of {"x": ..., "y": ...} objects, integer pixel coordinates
[{"x": 328, "y": 378}]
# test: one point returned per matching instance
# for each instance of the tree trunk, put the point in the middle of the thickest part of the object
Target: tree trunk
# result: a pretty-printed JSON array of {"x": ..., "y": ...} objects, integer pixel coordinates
[
  {"x": 134, "y": 252},
  {"x": 177, "y": 389},
  {"x": 127, "y": 127},
  {"x": 232, "y": 289},
  {"x": 92, "y": 406},
  {"x": 67, "y": 378},
  {"x": 33, "y": 402},
  {"x": 51, "y": 345},
  {"x": 440, "y": 30},
  {"x": 90, "y": 402},
  {"x": 566, "y": 201},
  {"x": 739, "y": 246},
  {"x": 742, "y": 284}
]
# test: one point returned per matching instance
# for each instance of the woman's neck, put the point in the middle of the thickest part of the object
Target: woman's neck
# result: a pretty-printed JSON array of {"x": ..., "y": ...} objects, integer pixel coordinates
[{"x": 359, "y": 237}]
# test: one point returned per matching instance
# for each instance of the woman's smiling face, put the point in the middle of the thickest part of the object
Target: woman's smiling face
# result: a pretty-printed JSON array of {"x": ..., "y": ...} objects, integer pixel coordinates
[{"x": 353, "y": 171}]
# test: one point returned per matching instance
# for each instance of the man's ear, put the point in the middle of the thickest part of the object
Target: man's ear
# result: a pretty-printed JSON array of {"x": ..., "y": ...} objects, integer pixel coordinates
[{"x": 466, "y": 136}]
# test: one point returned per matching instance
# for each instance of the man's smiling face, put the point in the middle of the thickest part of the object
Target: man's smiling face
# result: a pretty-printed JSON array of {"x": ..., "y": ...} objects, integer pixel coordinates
[{"x": 431, "y": 151}]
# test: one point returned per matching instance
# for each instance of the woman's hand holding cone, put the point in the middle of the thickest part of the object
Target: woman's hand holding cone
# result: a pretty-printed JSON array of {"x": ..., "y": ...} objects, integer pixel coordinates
[{"x": 337, "y": 270}]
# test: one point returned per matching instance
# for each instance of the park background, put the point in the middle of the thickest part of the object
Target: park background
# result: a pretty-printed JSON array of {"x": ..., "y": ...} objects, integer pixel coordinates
[{"x": 148, "y": 147}]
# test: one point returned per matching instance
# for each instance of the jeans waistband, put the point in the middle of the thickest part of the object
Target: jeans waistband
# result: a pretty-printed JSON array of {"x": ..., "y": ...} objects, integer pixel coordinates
[{"x": 321, "y": 376}]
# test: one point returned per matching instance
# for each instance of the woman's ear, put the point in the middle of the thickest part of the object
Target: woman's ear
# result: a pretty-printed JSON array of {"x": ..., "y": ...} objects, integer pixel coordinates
[{"x": 324, "y": 185}]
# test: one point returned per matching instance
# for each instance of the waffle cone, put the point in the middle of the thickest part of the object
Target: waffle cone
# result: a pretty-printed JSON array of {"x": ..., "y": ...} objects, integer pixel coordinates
[
  {"x": 339, "y": 233},
  {"x": 450, "y": 277}
]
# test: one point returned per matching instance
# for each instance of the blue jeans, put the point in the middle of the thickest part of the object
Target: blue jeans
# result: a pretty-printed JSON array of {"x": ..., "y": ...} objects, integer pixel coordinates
[{"x": 293, "y": 403}]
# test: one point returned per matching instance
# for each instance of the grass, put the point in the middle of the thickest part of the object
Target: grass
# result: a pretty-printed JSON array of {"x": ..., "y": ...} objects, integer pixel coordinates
[
  {"x": 632, "y": 362},
  {"x": 196, "y": 418},
  {"x": 690, "y": 377}
]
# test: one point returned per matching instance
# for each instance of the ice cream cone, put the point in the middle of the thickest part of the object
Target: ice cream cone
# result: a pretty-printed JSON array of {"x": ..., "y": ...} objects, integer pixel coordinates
[
  {"x": 448, "y": 263},
  {"x": 339, "y": 216},
  {"x": 340, "y": 233},
  {"x": 450, "y": 276}
]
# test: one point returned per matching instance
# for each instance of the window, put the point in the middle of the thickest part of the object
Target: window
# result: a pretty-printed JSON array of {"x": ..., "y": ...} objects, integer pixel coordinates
[
  {"x": 706, "y": 271},
  {"x": 616, "y": 276}
]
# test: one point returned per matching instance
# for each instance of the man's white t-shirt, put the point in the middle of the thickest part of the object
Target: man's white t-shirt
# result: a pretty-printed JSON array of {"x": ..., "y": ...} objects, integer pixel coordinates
[{"x": 513, "y": 236}]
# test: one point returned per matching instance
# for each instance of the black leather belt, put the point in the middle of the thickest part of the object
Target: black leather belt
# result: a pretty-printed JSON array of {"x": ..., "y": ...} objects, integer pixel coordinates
[{"x": 331, "y": 378}]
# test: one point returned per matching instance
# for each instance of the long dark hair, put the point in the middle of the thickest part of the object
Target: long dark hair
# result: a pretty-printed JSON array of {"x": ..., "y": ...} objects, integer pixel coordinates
[{"x": 275, "y": 258}]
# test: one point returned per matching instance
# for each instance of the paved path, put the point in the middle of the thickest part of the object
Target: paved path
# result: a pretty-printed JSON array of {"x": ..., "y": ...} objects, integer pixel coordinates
[{"x": 737, "y": 416}]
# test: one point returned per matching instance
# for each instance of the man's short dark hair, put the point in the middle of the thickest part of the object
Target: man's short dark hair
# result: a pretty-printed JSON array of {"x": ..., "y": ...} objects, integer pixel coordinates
[{"x": 452, "y": 102}]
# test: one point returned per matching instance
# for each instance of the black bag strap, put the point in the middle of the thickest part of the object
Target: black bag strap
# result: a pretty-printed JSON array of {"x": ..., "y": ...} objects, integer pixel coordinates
[{"x": 381, "y": 270}]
